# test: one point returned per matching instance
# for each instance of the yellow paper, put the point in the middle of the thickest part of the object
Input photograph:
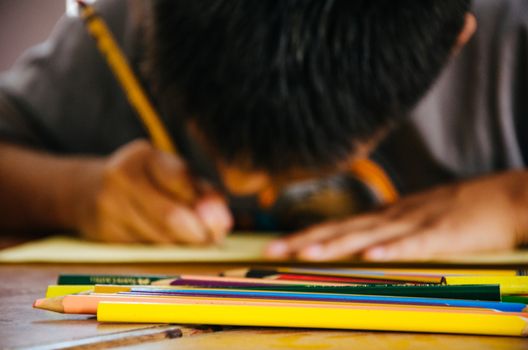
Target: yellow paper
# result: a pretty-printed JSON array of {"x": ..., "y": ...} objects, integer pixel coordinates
[{"x": 239, "y": 247}]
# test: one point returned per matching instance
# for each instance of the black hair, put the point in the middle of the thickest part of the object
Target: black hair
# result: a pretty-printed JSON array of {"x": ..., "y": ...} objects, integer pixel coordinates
[{"x": 296, "y": 83}]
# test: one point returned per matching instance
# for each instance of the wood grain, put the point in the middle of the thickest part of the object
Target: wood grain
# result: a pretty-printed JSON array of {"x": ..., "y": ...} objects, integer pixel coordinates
[{"x": 23, "y": 326}]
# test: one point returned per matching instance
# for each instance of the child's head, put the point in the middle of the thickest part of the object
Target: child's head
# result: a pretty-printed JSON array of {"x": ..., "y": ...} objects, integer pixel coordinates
[{"x": 278, "y": 85}]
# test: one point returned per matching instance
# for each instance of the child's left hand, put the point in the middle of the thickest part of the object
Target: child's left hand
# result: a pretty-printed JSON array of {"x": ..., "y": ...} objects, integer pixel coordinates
[{"x": 486, "y": 214}]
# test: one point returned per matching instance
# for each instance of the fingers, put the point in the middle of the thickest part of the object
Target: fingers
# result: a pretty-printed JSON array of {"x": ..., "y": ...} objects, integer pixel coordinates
[
  {"x": 416, "y": 247},
  {"x": 214, "y": 213},
  {"x": 352, "y": 242},
  {"x": 149, "y": 193},
  {"x": 210, "y": 211},
  {"x": 286, "y": 246},
  {"x": 438, "y": 241},
  {"x": 173, "y": 220},
  {"x": 170, "y": 174},
  {"x": 336, "y": 240}
]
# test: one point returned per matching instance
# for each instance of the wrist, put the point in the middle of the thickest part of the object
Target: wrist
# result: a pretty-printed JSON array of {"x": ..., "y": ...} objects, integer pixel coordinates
[
  {"x": 517, "y": 191},
  {"x": 81, "y": 181}
]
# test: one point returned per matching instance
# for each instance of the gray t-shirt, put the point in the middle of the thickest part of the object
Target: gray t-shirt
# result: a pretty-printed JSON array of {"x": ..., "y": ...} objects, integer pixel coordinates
[{"x": 61, "y": 96}]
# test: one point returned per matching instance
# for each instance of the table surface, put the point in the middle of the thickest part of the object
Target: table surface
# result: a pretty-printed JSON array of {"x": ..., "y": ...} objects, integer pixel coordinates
[{"x": 21, "y": 326}]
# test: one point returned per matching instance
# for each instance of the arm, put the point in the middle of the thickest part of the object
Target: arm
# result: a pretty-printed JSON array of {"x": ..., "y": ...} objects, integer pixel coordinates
[
  {"x": 38, "y": 190},
  {"x": 136, "y": 194}
]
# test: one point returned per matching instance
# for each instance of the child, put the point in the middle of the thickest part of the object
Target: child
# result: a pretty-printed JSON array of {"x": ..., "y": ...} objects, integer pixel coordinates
[{"x": 259, "y": 94}]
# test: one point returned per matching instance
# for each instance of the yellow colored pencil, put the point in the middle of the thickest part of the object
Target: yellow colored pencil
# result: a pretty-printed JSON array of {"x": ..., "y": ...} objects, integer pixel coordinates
[
  {"x": 508, "y": 284},
  {"x": 383, "y": 319},
  {"x": 60, "y": 290}
]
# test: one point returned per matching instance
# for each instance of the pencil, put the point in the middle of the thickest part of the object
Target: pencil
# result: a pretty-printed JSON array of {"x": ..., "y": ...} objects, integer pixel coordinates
[
  {"x": 87, "y": 304},
  {"x": 216, "y": 281},
  {"x": 121, "y": 68},
  {"x": 383, "y": 319},
  {"x": 479, "y": 292},
  {"x": 335, "y": 279},
  {"x": 515, "y": 299},
  {"x": 86, "y": 279},
  {"x": 402, "y": 274},
  {"x": 135, "y": 93},
  {"x": 468, "y": 292},
  {"x": 508, "y": 284},
  {"x": 55, "y": 291},
  {"x": 349, "y": 273}
]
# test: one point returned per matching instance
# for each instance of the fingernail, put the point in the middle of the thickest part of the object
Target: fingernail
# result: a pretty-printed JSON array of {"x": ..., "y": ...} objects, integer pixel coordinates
[
  {"x": 181, "y": 218},
  {"x": 223, "y": 216},
  {"x": 313, "y": 252},
  {"x": 277, "y": 249},
  {"x": 215, "y": 217},
  {"x": 377, "y": 253}
]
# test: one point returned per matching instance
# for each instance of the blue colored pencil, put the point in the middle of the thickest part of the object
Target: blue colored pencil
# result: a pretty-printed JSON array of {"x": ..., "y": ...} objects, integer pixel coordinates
[{"x": 257, "y": 294}]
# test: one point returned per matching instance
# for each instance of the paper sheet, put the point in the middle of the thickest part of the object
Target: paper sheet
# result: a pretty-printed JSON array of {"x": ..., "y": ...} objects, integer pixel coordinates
[{"x": 238, "y": 247}]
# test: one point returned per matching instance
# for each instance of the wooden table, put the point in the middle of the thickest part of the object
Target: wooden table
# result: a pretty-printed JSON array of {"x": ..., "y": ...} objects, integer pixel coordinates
[{"x": 21, "y": 326}]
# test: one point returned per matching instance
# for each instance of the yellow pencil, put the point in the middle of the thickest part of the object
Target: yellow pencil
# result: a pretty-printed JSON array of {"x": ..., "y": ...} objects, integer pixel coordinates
[
  {"x": 383, "y": 319},
  {"x": 126, "y": 77},
  {"x": 61, "y": 290},
  {"x": 131, "y": 86},
  {"x": 508, "y": 284}
]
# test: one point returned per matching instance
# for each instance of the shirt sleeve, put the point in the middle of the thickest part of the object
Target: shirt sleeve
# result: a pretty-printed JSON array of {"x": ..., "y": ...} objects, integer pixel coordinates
[{"x": 62, "y": 96}]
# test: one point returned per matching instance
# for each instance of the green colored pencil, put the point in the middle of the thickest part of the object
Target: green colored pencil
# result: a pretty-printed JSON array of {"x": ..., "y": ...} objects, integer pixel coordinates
[
  {"x": 515, "y": 299},
  {"x": 76, "y": 279},
  {"x": 490, "y": 292}
]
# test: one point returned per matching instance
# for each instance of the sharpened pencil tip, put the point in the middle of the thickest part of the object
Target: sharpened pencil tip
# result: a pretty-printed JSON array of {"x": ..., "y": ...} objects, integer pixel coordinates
[{"x": 50, "y": 304}]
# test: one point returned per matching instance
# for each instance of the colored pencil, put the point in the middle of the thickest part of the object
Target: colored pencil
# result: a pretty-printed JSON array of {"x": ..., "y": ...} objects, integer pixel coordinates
[
  {"x": 508, "y": 284},
  {"x": 479, "y": 292},
  {"x": 405, "y": 275},
  {"x": 515, "y": 298},
  {"x": 55, "y": 291},
  {"x": 376, "y": 275},
  {"x": 385, "y": 319},
  {"x": 60, "y": 290},
  {"x": 201, "y": 280},
  {"x": 80, "y": 304},
  {"x": 87, "y": 304},
  {"x": 329, "y": 279},
  {"x": 78, "y": 279}
]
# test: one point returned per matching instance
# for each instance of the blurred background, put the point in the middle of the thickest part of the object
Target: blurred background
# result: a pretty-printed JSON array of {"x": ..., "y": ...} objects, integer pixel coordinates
[{"x": 24, "y": 23}]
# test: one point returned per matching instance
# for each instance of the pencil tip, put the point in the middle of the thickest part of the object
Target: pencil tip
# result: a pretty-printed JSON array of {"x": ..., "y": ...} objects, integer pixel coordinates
[{"x": 50, "y": 304}]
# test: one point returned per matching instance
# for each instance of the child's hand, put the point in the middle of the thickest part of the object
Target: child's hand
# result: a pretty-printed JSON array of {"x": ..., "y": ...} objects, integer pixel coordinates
[
  {"x": 481, "y": 215},
  {"x": 140, "y": 194}
]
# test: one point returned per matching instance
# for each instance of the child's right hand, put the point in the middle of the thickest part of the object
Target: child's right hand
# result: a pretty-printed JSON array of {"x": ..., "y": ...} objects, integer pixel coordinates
[{"x": 140, "y": 194}]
